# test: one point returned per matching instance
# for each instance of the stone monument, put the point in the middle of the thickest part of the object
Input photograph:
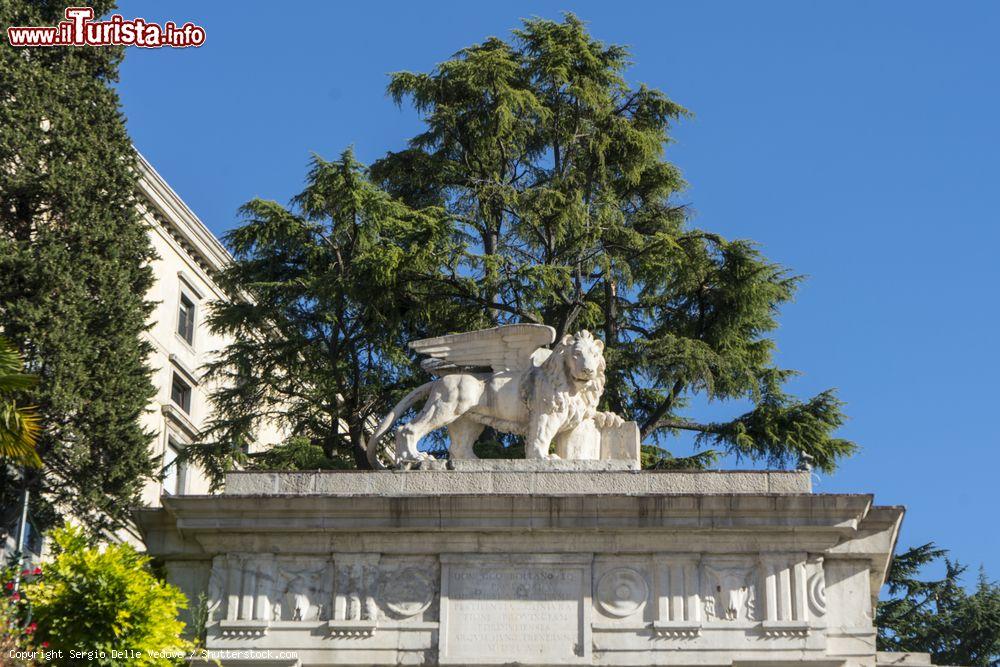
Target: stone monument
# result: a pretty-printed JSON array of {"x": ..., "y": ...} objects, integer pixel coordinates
[
  {"x": 568, "y": 558},
  {"x": 505, "y": 378}
]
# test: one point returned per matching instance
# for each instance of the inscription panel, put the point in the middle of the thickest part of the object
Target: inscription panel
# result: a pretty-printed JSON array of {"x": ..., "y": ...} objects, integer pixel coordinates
[{"x": 519, "y": 608}]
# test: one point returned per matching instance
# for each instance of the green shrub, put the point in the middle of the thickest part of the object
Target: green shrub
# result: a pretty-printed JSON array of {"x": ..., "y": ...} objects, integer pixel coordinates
[{"x": 108, "y": 601}]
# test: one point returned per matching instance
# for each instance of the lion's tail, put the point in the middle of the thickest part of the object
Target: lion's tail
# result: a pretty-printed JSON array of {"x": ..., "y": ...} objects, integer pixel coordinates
[{"x": 372, "y": 445}]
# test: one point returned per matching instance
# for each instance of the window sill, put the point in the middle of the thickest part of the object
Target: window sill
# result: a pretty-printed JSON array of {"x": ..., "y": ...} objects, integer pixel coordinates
[
  {"x": 180, "y": 419},
  {"x": 183, "y": 341},
  {"x": 185, "y": 372}
]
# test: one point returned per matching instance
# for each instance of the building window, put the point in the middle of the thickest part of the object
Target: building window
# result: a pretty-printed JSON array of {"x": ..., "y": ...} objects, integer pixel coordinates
[
  {"x": 185, "y": 319},
  {"x": 180, "y": 393},
  {"x": 174, "y": 471}
]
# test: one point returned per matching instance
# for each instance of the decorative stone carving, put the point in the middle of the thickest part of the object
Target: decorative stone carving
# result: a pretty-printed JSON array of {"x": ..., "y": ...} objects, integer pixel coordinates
[
  {"x": 622, "y": 592},
  {"x": 543, "y": 395},
  {"x": 784, "y": 592},
  {"x": 355, "y": 613},
  {"x": 779, "y": 629},
  {"x": 816, "y": 586},
  {"x": 243, "y": 629},
  {"x": 217, "y": 589},
  {"x": 407, "y": 593},
  {"x": 731, "y": 595},
  {"x": 352, "y": 628},
  {"x": 677, "y": 590},
  {"x": 303, "y": 586},
  {"x": 239, "y": 587},
  {"x": 669, "y": 631},
  {"x": 784, "y": 588}
]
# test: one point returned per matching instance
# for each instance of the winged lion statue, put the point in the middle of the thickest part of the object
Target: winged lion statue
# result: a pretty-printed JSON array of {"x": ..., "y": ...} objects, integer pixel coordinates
[{"x": 506, "y": 378}]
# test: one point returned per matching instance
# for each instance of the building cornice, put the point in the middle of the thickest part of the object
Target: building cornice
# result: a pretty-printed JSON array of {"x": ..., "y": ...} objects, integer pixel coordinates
[{"x": 180, "y": 221}]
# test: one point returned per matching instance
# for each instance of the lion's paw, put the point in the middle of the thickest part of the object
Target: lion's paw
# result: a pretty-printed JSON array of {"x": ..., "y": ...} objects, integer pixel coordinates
[{"x": 608, "y": 420}]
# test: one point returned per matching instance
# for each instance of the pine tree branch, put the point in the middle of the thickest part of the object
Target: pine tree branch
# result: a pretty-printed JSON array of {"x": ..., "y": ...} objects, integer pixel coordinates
[{"x": 651, "y": 423}]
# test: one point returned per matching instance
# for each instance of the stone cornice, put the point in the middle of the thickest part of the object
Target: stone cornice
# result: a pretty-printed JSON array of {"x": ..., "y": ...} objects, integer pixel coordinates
[
  {"x": 180, "y": 221},
  {"x": 841, "y": 514}
]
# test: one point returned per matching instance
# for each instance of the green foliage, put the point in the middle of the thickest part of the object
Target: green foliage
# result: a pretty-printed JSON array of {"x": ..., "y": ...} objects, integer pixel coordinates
[
  {"x": 296, "y": 453},
  {"x": 552, "y": 170},
  {"x": 200, "y": 617},
  {"x": 106, "y": 599},
  {"x": 939, "y": 616},
  {"x": 18, "y": 425},
  {"x": 493, "y": 448},
  {"x": 335, "y": 286},
  {"x": 652, "y": 457},
  {"x": 540, "y": 192},
  {"x": 74, "y": 272}
]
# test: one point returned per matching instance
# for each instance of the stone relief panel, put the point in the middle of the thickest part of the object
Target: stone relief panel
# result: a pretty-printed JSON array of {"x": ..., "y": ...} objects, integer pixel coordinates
[
  {"x": 349, "y": 592},
  {"x": 785, "y": 592},
  {"x": 816, "y": 586},
  {"x": 355, "y": 587},
  {"x": 303, "y": 590},
  {"x": 240, "y": 586},
  {"x": 729, "y": 589},
  {"x": 408, "y": 589},
  {"x": 621, "y": 592},
  {"x": 678, "y": 585},
  {"x": 673, "y": 595}
]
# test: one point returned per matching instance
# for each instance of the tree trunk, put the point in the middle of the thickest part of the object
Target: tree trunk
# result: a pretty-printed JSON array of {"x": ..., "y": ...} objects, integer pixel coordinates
[{"x": 358, "y": 449}]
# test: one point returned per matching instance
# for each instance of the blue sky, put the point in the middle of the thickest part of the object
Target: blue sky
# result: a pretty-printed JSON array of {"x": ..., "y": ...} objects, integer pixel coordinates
[{"x": 858, "y": 143}]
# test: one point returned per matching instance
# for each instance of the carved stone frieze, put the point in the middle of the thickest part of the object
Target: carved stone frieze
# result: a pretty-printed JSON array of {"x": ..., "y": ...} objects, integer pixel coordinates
[
  {"x": 406, "y": 593},
  {"x": 729, "y": 589},
  {"x": 816, "y": 586},
  {"x": 622, "y": 592},
  {"x": 303, "y": 590}
]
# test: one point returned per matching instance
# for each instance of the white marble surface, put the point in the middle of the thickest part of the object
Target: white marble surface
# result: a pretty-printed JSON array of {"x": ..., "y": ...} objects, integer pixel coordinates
[
  {"x": 586, "y": 567},
  {"x": 503, "y": 378},
  {"x": 513, "y": 477}
]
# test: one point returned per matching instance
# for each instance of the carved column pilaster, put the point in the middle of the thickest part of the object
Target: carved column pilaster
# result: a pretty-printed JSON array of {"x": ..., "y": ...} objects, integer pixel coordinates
[
  {"x": 355, "y": 612},
  {"x": 234, "y": 585},
  {"x": 799, "y": 591},
  {"x": 265, "y": 588},
  {"x": 217, "y": 582},
  {"x": 244, "y": 576},
  {"x": 248, "y": 591},
  {"x": 784, "y": 576},
  {"x": 678, "y": 612}
]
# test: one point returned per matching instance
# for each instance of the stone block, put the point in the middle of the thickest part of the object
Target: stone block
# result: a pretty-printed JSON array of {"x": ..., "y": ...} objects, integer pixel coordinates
[
  {"x": 518, "y": 563},
  {"x": 621, "y": 442}
]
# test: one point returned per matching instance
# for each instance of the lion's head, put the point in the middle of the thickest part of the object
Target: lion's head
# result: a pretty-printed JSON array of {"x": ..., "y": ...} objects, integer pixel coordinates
[{"x": 578, "y": 361}]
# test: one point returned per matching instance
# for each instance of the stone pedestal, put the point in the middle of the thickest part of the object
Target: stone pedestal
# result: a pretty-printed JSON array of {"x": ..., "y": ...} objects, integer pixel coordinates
[{"x": 523, "y": 563}]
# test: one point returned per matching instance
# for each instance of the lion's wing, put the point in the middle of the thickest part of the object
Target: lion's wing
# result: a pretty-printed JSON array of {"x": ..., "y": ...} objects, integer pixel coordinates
[{"x": 502, "y": 348}]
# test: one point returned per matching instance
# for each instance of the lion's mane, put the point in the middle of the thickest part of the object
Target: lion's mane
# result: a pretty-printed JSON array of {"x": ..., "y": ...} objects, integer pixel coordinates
[{"x": 564, "y": 394}]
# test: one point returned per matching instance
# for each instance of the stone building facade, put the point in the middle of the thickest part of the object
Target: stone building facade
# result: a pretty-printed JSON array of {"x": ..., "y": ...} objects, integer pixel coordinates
[
  {"x": 515, "y": 563},
  {"x": 189, "y": 256}
]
